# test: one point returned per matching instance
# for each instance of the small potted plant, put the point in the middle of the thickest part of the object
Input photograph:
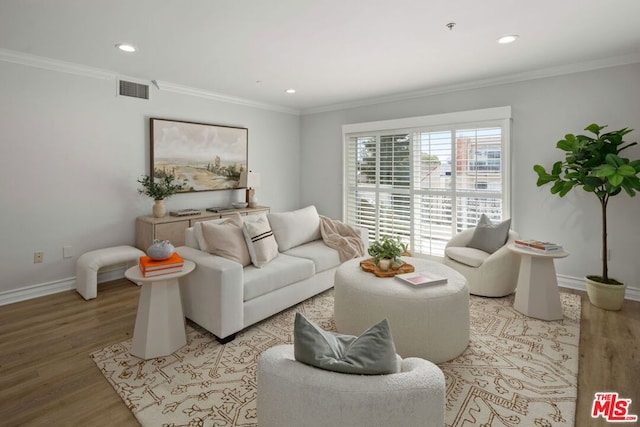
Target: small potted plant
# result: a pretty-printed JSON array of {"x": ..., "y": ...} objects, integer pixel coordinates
[
  {"x": 159, "y": 188},
  {"x": 386, "y": 252},
  {"x": 595, "y": 164}
]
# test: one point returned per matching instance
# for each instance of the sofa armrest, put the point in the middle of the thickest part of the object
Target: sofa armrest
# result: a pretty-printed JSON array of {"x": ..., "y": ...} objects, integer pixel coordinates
[
  {"x": 213, "y": 294},
  {"x": 364, "y": 235}
]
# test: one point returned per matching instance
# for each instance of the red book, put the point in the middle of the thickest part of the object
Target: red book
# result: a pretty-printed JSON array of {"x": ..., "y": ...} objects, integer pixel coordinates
[{"x": 148, "y": 264}]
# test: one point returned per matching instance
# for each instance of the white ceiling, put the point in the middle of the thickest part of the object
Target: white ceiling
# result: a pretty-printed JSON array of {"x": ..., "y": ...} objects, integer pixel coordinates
[{"x": 330, "y": 51}]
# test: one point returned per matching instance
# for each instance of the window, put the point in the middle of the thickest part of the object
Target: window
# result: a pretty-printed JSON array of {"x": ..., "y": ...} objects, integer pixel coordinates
[{"x": 429, "y": 180}]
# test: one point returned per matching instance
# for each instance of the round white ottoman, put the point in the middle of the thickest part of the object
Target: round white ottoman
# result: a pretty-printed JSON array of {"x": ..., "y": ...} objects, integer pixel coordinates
[{"x": 430, "y": 322}]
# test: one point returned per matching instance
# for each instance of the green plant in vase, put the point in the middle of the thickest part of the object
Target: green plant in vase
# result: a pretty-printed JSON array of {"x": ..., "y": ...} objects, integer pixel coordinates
[
  {"x": 386, "y": 252},
  {"x": 594, "y": 163},
  {"x": 159, "y": 189}
]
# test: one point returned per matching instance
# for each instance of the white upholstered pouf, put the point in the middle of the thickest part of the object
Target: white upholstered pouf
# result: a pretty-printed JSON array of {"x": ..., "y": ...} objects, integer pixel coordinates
[{"x": 430, "y": 322}]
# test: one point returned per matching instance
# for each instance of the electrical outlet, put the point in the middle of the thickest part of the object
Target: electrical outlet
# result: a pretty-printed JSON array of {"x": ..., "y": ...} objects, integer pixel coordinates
[
  {"x": 67, "y": 252},
  {"x": 38, "y": 257}
]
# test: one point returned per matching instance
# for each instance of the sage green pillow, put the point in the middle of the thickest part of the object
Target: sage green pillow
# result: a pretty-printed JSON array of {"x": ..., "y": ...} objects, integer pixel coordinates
[
  {"x": 372, "y": 353},
  {"x": 489, "y": 237}
]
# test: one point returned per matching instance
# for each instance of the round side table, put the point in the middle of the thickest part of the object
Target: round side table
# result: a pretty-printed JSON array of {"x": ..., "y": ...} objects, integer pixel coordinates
[
  {"x": 537, "y": 293},
  {"x": 160, "y": 324}
]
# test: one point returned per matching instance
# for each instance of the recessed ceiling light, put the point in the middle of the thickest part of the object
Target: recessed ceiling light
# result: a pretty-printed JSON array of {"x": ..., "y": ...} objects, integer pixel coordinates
[
  {"x": 125, "y": 47},
  {"x": 290, "y": 91},
  {"x": 508, "y": 39}
]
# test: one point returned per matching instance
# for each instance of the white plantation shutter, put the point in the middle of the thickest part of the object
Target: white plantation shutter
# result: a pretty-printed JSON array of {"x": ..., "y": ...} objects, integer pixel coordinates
[{"x": 426, "y": 184}]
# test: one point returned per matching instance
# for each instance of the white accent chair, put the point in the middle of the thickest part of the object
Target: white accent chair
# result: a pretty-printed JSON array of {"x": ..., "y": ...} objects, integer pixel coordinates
[
  {"x": 489, "y": 275},
  {"x": 291, "y": 393}
]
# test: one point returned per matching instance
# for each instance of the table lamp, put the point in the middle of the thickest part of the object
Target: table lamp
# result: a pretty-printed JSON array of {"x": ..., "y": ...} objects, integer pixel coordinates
[{"x": 250, "y": 180}]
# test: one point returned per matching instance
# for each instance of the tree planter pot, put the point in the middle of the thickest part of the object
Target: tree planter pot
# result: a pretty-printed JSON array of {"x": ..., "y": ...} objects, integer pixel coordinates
[{"x": 608, "y": 297}]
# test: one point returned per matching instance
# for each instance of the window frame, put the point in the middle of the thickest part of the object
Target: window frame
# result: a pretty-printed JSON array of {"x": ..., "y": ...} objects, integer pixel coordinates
[{"x": 464, "y": 120}]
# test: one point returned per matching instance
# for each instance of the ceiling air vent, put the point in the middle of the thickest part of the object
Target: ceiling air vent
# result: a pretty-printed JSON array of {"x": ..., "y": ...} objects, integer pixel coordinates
[{"x": 135, "y": 90}]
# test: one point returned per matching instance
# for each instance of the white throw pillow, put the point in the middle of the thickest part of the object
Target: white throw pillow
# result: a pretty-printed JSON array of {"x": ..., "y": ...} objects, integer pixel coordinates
[
  {"x": 295, "y": 228},
  {"x": 260, "y": 241},
  {"x": 227, "y": 240}
]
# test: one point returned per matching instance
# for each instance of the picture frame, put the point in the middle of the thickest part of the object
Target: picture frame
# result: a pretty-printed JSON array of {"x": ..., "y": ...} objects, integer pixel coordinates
[{"x": 207, "y": 157}]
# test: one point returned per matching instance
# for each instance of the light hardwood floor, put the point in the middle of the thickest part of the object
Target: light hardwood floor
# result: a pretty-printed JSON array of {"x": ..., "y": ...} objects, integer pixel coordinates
[{"x": 48, "y": 379}]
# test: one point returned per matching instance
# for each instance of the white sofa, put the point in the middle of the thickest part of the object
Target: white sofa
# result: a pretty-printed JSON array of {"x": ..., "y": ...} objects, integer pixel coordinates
[{"x": 224, "y": 297}]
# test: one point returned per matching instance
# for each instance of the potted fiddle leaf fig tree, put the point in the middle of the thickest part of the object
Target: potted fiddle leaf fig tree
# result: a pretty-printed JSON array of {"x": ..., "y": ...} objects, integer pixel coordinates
[{"x": 595, "y": 164}]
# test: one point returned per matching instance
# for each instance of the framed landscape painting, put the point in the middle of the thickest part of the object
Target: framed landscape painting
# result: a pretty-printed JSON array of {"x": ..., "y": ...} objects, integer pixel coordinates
[{"x": 208, "y": 157}]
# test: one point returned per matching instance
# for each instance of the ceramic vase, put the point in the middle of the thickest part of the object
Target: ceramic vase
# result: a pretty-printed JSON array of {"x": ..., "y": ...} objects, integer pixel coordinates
[
  {"x": 159, "y": 209},
  {"x": 384, "y": 264}
]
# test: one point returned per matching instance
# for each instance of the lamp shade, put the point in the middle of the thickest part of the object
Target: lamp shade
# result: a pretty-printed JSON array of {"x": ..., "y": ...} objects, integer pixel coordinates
[{"x": 249, "y": 179}]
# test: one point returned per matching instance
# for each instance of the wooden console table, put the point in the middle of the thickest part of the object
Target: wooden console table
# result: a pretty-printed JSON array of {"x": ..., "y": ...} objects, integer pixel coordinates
[{"x": 149, "y": 228}]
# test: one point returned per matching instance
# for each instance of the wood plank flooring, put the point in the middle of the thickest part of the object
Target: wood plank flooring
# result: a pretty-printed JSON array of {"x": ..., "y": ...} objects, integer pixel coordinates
[{"x": 48, "y": 379}]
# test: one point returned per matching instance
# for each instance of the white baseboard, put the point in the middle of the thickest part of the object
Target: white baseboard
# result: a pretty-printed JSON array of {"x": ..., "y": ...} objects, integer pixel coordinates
[
  {"x": 54, "y": 287},
  {"x": 579, "y": 284},
  {"x": 35, "y": 291}
]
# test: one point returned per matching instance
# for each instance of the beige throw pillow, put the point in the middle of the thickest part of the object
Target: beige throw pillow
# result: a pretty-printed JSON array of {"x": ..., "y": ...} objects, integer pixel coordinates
[
  {"x": 260, "y": 241},
  {"x": 227, "y": 239}
]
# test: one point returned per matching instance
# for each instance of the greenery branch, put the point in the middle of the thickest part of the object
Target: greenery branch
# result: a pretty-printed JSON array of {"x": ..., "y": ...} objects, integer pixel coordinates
[
  {"x": 387, "y": 247},
  {"x": 160, "y": 188}
]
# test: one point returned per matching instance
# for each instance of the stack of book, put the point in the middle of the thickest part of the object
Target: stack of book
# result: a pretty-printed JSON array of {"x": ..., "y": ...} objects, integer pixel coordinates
[
  {"x": 151, "y": 268},
  {"x": 538, "y": 245}
]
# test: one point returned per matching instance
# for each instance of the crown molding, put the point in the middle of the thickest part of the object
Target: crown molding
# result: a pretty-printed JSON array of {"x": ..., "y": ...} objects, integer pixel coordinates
[
  {"x": 50, "y": 64},
  {"x": 21, "y": 58},
  {"x": 478, "y": 84},
  {"x": 191, "y": 91}
]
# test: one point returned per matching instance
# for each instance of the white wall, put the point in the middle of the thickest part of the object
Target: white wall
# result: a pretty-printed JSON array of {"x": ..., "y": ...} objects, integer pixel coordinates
[
  {"x": 544, "y": 110},
  {"x": 71, "y": 151}
]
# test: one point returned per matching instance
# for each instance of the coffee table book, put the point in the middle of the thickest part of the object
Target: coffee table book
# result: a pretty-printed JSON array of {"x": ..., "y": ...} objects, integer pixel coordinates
[
  {"x": 537, "y": 245},
  {"x": 422, "y": 278}
]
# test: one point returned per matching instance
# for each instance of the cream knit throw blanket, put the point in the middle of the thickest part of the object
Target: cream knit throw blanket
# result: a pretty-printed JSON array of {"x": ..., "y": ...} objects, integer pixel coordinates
[{"x": 341, "y": 237}]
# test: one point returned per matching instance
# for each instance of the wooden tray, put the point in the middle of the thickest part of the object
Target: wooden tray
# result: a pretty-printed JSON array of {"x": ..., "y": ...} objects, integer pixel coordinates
[{"x": 369, "y": 266}]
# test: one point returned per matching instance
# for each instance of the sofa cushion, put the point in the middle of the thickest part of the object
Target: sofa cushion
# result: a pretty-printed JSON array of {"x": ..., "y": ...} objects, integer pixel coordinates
[
  {"x": 372, "y": 353},
  {"x": 226, "y": 239},
  {"x": 467, "y": 256},
  {"x": 296, "y": 227},
  {"x": 489, "y": 237},
  {"x": 322, "y": 255},
  {"x": 260, "y": 241},
  {"x": 282, "y": 271}
]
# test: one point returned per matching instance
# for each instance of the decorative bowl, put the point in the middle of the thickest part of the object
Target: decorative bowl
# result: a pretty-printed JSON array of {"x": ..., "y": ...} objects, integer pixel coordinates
[
  {"x": 160, "y": 250},
  {"x": 239, "y": 205}
]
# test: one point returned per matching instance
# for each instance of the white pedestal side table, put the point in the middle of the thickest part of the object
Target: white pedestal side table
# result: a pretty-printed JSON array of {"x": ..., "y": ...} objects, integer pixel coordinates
[
  {"x": 537, "y": 293},
  {"x": 160, "y": 324}
]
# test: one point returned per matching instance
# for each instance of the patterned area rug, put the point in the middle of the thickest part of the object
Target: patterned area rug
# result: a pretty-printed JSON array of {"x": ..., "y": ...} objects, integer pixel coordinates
[{"x": 517, "y": 371}]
